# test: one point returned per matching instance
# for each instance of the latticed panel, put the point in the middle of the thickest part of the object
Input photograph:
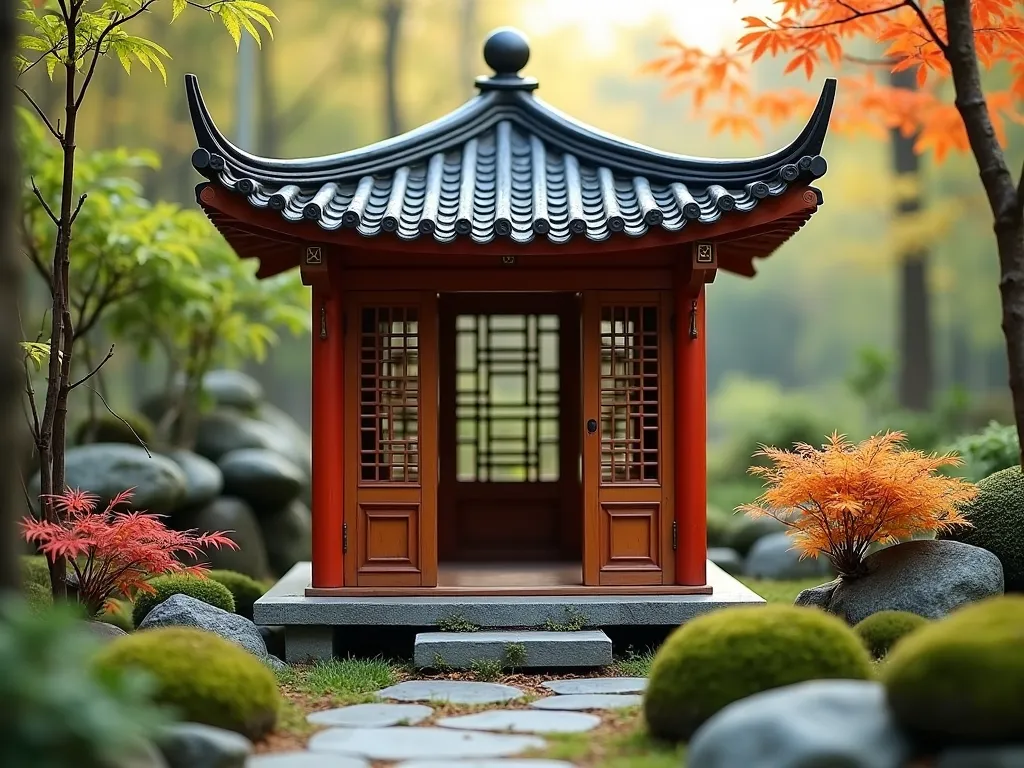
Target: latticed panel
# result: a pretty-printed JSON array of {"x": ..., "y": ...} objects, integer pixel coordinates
[
  {"x": 389, "y": 395},
  {"x": 507, "y": 398},
  {"x": 630, "y": 415}
]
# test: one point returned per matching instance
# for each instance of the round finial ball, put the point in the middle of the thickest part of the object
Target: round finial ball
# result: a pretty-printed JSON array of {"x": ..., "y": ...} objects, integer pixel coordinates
[{"x": 506, "y": 51}]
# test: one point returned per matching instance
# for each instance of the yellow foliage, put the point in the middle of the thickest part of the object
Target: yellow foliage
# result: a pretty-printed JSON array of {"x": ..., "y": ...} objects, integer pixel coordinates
[{"x": 842, "y": 498}]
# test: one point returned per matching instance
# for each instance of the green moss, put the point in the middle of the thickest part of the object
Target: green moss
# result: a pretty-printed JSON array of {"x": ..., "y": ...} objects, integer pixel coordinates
[
  {"x": 880, "y": 631},
  {"x": 997, "y": 517},
  {"x": 204, "y": 677},
  {"x": 106, "y": 428},
  {"x": 209, "y": 591},
  {"x": 714, "y": 660},
  {"x": 35, "y": 570},
  {"x": 244, "y": 589},
  {"x": 118, "y": 613},
  {"x": 38, "y": 597},
  {"x": 961, "y": 679}
]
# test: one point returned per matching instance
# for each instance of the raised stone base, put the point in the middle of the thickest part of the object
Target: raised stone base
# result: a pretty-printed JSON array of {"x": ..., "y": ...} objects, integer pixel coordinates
[
  {"x": 308, "y": 621},
  {"x": 525, "y": 649}
]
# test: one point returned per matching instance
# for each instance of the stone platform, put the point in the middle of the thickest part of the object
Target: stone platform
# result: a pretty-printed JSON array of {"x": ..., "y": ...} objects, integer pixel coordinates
[
  {"x": 523, "y": 649},
  {"x": 309, "y": 622}
]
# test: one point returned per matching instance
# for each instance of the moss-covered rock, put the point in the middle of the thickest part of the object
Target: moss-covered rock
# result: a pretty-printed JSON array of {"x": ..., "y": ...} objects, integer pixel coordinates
[
  {"x": 244, "y": 589},
  {"x": 209, "y": 591},
  {"x": 206, "y": 678},
  {"x": 111, "y": 429},
  {"x": 961, "y": 679},
  {"x": 997, "y": 523},
  {"x": 714, "y": 660},
  {"x": 882, "y": 630}
]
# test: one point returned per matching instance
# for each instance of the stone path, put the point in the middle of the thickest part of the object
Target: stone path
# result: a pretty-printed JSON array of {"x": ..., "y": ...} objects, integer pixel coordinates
[{"x": 490, "y": 739}]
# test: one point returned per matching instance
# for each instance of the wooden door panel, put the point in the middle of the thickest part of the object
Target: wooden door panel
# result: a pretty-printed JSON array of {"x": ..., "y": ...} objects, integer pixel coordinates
[
  {"x": 626, "y": 392},
  {"x": 391, "y": 451}
]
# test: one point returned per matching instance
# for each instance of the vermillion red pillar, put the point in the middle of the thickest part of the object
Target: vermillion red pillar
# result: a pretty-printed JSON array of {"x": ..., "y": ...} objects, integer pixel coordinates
[
  {"x": 691, "y": 491},
  {"x": 328, "y": 439}
]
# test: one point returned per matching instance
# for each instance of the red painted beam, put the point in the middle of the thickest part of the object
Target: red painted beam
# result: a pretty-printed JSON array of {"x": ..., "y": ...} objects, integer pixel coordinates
[{"x": 328, "y": 440}]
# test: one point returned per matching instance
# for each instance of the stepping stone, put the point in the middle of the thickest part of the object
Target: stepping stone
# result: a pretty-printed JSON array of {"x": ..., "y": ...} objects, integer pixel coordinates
[
  {"x": 371, "y": 715},
  {"x": 598, "y": 685},
  {"x": 588, "y": 701},
  {"x": 451, "y": 691},
  {"x": 522, "y": 763},
  {"x": 525, "y": 649},
  {"x": 305, "y": 760},
  {"x": 523, "y": 721},
  {"x": 405, "y": 743}
]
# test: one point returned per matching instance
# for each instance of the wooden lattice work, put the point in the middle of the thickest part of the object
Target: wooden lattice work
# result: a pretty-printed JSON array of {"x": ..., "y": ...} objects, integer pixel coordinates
[
  {"x": 507, "y": 398},
  {"x": 389, "y": 395},
  {"x": 629, "y": 394}
]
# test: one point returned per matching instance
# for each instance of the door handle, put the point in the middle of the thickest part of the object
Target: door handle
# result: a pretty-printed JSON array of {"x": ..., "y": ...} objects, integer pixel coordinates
[{"x": 591, "y": 426}]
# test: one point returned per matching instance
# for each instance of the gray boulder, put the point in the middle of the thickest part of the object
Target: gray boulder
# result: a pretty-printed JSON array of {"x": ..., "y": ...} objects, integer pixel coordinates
[
  {"x": 296, "y": 444},
  {"x": 773, "y": 557},
  {"x": 749, "y": 529},
  {"x": 289, "y": 536},
  {"x": 223, "y": 431},
  {"x": 107, "y": 469},
  {"x": 104, "y": 632},
  {"x": 233, "y": 389},
  {"x": 193, "y": 745},
  {"x": 1007, "y": 756},
  {"x": 204, "y": 481},
  {"x": 264, "y": 478},
  {"x": 727, "y": 559},
  {"x": 184, "y": 611},
  {"x": 141, "y": 754},
  {"x": 237, "y": 518},
  {"x": 817, "y": 723},
  {"x": 929, "y": 578}
]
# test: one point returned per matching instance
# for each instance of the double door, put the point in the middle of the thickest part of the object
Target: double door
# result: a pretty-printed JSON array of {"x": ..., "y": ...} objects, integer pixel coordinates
[{"x": 551, "y": 444}]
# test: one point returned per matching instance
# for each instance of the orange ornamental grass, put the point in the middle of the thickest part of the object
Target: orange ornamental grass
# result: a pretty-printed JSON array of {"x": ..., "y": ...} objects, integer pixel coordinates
[{"x": 842, "y": 498}]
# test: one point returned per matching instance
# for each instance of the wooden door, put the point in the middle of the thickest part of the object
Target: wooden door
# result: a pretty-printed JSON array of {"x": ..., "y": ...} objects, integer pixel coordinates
[
  {"x": 509, "y": 437},
  {"x": 391, "y": 446},
  {"x": 627, "y": 443}
]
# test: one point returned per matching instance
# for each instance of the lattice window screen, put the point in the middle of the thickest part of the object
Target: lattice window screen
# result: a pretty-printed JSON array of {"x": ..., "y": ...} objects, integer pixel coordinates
[
  {"x": 389, "y": 395},
  {"x": 629, "y": 394},
  {"x": 507, "y": 398}
]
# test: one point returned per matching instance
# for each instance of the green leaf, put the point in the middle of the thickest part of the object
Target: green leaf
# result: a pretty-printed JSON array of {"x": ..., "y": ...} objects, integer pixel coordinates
[
  {"x": 51, "y": 65},
  {"x": 230, "y": 21},
  {"x": 177, "y": 7}
]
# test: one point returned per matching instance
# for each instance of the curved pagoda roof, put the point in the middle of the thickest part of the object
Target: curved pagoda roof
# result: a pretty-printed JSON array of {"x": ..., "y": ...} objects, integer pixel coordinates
[{"x": 507, "y": 165}]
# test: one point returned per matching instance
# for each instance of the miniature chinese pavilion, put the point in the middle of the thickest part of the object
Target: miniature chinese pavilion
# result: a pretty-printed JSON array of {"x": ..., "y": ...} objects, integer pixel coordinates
[{"x": 509, "y": 386}]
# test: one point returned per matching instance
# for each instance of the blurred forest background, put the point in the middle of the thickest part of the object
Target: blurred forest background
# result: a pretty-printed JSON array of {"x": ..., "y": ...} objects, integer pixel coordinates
[{"x": 812, "y": 339}]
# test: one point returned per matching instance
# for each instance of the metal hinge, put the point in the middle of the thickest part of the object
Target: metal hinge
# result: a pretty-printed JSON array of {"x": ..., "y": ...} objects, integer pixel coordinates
[
  {"x": 693, "y": 320},
  {"x": 323, "y": 321},
  {"x": 675, "y": 535},
  {"x": 344, "y": 537}
]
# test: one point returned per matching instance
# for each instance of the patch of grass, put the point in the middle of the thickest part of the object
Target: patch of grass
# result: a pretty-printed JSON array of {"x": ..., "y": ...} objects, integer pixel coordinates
[
  {"x": 291, "y": 719},
  {"x": 347, "y": 680},
  {"x": 515, "y": 655},
  {"x": 633, "y": 664},
  {"x": 621, "y": 742},
  {"x": 781, "y": 591},
  {"x": 457, "y": 623},
  {"x": 486, "y": 670},
  {"x": 574, "y": 622}
]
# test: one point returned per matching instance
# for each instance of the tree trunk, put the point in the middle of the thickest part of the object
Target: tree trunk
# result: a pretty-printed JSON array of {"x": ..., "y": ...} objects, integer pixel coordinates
[
  {"x": 392, "y": 16},
  {"x": 12, "y": 420},
  {"x": 916, "y": 368},
  {"x": 1005, "y": 199}
]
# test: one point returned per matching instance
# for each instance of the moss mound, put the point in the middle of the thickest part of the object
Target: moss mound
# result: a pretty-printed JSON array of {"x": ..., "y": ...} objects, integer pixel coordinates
[
  {"x": 110, "y": 429},
  {"x": 244, "y": 589},
  {"x": 997, "y": 517},
  {"x": 880, "y": 631},
  {"x": 206, "y": 678},
  {"x": 209, "y": 591},
  {"x": 714, "y": 660},
  {"x": 961, "y": 679}
]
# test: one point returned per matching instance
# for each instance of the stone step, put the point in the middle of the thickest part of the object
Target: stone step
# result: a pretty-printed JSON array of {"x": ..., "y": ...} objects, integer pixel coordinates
[{"x": 523, "y": 649}]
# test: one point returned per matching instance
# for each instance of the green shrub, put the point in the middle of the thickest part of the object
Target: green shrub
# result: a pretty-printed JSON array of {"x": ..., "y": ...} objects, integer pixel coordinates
[
  {"x": 118, "y": 613},
  {"x": 997, "y": 519},
  {"x": 38, "y": 597},
  {"x": 961, "y": 679},
  {"x": 35, "y": 570},
  {"x": 204, "y": 677},
  {"x": 881, "y": 630},
  {"x": 721, "y": 526},
  {"x": 59, "y": 711},
  {"x": 244, "y": 589},
  {"x": 106, "y": 428},
  {"x": 749, "y": 529},
  {"x": 209, "y": 591},
  {"x": 984, "y": 453},
  {"x": 717, "y": 659}
]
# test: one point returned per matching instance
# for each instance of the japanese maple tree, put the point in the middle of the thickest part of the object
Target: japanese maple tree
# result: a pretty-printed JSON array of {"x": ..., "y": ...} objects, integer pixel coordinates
[
  {"x": 113, "y": 551},
  {"x": 943, "y": 43},
  {"x": 842, "y": 498}
]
